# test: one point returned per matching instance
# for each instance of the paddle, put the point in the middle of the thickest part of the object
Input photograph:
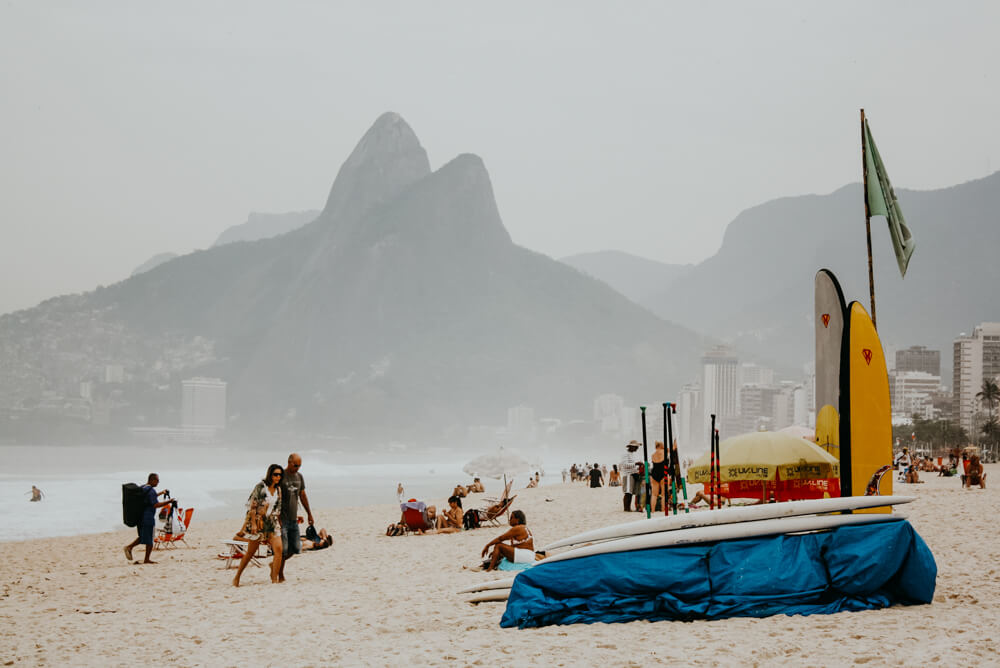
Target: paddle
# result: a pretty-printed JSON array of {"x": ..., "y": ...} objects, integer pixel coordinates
[
  {"x": 675, "y": 460},
  {"x": 645, "y": 463}
]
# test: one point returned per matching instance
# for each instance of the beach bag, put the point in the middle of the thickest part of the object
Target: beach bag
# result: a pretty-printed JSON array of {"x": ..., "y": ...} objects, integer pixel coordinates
[
  {"x": 133, "y": 504},
  {"x": 470, "y": 520}
]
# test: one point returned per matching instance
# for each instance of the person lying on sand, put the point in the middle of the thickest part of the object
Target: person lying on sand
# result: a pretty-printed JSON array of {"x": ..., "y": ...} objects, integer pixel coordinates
[
  {"x": 521, "y": 549},
  {"x": 318, "y": 541}
]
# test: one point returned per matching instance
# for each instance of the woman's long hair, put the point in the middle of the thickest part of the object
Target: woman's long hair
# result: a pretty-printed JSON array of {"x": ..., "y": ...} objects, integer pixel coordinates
[{"x": 270, "y": 471}]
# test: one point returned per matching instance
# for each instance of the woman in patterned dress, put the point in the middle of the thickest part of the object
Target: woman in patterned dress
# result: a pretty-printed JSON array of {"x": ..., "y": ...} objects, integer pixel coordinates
[{"x": 262, "y": 523}]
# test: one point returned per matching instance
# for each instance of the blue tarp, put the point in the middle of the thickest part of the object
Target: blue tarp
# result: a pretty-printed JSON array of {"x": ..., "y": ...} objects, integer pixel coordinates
[{"x": 862, "y": 567}]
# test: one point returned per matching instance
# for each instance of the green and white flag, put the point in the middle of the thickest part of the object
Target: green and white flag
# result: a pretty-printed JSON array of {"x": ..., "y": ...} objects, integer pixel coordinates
[{"x": 882, "y": 202}]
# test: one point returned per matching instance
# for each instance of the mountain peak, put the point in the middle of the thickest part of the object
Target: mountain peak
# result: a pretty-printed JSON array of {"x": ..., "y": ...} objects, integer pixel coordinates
[{"x": 387, "y": 160}]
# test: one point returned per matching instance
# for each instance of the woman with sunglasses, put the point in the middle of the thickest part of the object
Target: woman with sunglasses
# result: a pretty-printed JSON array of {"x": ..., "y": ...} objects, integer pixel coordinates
[{"x": 262, "y": 524}]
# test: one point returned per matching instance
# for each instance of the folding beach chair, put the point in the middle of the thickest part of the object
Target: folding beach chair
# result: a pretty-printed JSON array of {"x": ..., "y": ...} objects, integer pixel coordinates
[
  {"x": 178, "y": 528},
  {"x": 238, "y": 547},
  {"x": 491, "y": 514},
  {"x": 415, "y": 516}
]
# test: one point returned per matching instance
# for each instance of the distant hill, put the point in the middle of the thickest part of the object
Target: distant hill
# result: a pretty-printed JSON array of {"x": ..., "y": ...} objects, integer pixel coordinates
[
  {"x": 757, "y": 291},
  {"x": 636, "y": 277},
  {"x": 403, "y": 307},
  {"x": 265, "y": 226},
  {"x": 152, "y": 262}
]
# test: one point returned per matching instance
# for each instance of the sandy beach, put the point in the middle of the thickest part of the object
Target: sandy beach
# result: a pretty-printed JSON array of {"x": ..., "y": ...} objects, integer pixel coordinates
[{"x": 374, "y": 600}]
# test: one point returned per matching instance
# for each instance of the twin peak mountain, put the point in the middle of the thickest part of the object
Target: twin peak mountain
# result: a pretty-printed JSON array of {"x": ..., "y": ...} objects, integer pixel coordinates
[{"x": 405, "y": 305}]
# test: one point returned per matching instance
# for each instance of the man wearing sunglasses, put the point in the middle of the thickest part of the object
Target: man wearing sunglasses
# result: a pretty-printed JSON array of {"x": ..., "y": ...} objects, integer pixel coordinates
[{"x": 293, "y": 489}]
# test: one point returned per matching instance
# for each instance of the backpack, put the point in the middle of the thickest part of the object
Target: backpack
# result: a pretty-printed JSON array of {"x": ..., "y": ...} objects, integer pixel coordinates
[
  {"x": 133, "y": 504},
  {"x": 470, "y": 520}
]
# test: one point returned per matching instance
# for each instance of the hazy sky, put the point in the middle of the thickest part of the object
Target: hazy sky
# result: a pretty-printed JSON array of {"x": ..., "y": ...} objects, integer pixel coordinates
[{"x": 128, "y": 129}]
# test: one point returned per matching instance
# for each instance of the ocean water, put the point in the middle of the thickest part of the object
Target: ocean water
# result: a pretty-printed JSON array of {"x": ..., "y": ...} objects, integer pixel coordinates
[{"x": 82, "y": 485}]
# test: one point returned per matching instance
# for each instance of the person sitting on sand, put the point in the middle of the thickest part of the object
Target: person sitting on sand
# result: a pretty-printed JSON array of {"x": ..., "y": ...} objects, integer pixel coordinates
[
  {"x": 531, "y": 483},
  {"x": 521, "y": 549},
  {"x": 975, "y": 475},
  {"x": 316, "y": 540},
  {"x": 460, "y": 491},
  {"x": 476, "y": 486},
  {"x": 450, "y": 521}
]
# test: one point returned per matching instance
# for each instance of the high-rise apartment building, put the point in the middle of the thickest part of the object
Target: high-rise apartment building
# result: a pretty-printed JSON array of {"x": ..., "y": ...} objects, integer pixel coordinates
[
  {"x": 919, "y": 358},
  {"x": 720, "y": 387},
  {"x": 976, "y": 358},
  {"x": 913, "y": 392},
  {"x": 688, "y": 420},
  {"x": 203, "y": 403}
]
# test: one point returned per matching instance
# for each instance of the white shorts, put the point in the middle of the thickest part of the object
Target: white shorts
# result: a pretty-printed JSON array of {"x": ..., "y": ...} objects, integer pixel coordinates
[{"x": 522, "y": 556}]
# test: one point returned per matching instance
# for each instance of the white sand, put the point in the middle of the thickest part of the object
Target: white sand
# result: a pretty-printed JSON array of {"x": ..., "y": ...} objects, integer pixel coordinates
[{"x": 373, "y": 600}]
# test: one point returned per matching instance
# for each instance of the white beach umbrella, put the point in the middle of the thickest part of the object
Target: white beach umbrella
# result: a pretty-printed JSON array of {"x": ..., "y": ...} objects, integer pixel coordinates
[{"x": 497, "y": 465}]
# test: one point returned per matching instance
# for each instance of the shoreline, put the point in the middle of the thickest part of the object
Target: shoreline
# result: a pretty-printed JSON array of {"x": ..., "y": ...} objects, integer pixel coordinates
[{"x": 374, "y": 600}]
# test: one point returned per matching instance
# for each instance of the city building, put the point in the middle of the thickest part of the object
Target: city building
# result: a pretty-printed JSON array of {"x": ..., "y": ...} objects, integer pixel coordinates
[
  {"x": 114, "y": 373},
  {"x": 757, "y": 407},
  {"x": 521, "y": 423},
  {"x": 913, "y": 392},
  {"x": 720, "y": 388},
  {"x": 976, "y": 358},
  {"x": 608, "y": 405},
  {"x": 919, "y": 358},
  {"x": 691, "y": 434},
  {"x": 203, "y": 403},
  {"x": 754, "y": 374}
]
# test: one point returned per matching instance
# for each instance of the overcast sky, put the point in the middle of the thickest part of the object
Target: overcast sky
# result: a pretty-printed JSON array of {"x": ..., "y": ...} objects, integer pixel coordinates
[{"x": 129, "y": 129}]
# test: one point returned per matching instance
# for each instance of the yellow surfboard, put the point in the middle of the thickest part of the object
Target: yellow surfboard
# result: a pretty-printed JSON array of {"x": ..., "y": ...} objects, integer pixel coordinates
[{"x": 865, "y": 411}]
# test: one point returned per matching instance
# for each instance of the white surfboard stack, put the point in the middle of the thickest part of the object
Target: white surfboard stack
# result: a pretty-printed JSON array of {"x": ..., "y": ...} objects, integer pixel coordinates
[{"x": 706, "y": 527}]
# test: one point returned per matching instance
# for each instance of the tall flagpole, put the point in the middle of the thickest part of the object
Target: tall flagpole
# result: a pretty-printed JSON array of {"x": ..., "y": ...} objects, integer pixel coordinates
[{"x": 868, "y": 216}]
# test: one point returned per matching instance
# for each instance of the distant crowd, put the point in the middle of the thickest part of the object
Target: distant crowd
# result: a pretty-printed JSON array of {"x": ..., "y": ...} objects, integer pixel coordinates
[{"x": 965, "y": 465}]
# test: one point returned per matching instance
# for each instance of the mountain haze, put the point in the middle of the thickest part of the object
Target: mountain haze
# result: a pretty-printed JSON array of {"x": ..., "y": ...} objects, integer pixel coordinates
[
  {"x": 638, "y": 278},
  {"x": 757, "y": 291},
  {"x": 404, "y": 305}
]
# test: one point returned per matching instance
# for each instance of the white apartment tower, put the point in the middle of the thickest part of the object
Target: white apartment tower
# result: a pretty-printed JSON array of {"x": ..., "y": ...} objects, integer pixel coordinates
[
  {"x": 203, "y": 403},
  {"x": 720, "y": 386},
  {"x": 976, "y": 358}
]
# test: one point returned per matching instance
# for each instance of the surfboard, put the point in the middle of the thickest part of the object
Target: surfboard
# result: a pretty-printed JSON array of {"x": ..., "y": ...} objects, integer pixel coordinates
[
  {"x": 496, "y": 595},
  {"x": 504, "y": 583},
  {"x": 727, "y": 516},
  {"x": 829, "y": 323},
  {"x": 719, "y": 532},
  {"x": 866, "y": 412}
]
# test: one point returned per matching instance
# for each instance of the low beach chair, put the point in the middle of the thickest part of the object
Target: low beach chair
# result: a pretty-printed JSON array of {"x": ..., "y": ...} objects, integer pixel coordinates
[
  {"x": 415, "y": 516},
  {"x": 491, "y": 514},
  {"x": 169, "y": 540},
  {"x": 238, "y": 547}
]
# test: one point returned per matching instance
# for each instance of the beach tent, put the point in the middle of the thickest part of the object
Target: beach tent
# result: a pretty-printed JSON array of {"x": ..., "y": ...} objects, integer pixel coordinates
[
  {"x": 862, "y": 567},
  {"x": 765, "y": 464}
]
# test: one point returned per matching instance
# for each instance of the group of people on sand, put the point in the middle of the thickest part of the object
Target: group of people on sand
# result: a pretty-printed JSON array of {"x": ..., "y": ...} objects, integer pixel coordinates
[
  {"x": 450, "y": 520},
  {"x": 967, "y": 466},
  {"x": 271, "y": 519}
]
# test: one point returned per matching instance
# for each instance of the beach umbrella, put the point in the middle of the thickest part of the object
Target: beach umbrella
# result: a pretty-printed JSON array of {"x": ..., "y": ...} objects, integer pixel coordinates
[
  {"x": 801, "y": 432},
  {"x": 787, "y": 466},
  {"x": 500, "y": 464}
]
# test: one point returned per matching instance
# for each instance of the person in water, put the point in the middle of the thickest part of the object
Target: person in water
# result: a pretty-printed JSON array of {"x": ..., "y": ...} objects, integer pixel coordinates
[
  {"x": 521, "y": 549},
  {"x": 36, "y": 494}
]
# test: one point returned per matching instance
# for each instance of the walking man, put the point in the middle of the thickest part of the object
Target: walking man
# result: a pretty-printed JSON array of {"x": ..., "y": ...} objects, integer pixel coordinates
[
  {"x": 293, "y": 489},
  {"x": 148, "y": 523}
]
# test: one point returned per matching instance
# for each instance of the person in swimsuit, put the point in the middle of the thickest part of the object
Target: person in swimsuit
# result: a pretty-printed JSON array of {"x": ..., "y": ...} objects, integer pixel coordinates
[
  {"x": 521, "y": 549},
  {"x": 450, "y": 521},
  {"x": 656, "y": 473},
  {"x": 263, "y": 521}
]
